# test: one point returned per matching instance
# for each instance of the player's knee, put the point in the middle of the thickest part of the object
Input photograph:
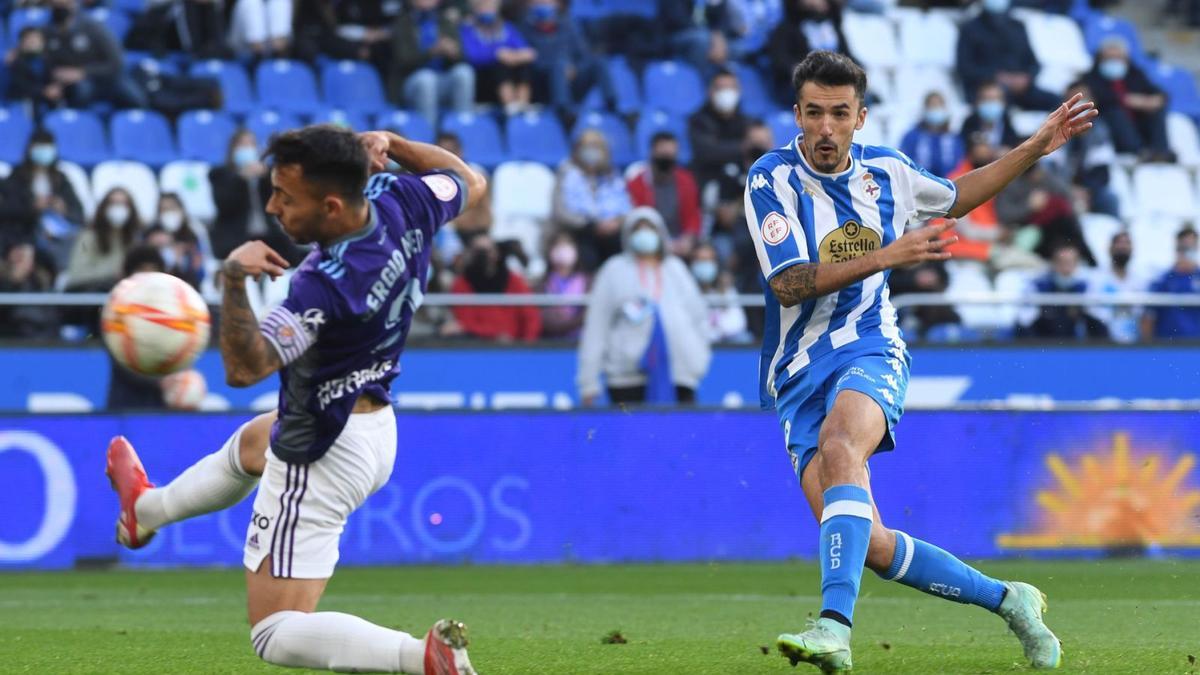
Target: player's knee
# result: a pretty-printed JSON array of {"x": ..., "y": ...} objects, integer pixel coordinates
[
  {"x": 263, "y": 638},
  {"x": 839, "y": 457}
]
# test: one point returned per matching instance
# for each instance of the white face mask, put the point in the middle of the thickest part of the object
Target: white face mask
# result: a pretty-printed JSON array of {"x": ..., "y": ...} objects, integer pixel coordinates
[
  {"x": 726, "y": 100},
  {"x": 644, "y": 241},
  {"x": 117, "y": 214},
  {"x": 171, "y": 220}
]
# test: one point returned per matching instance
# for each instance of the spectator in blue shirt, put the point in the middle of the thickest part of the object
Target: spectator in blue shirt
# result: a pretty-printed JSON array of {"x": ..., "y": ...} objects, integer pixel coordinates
[
  {"x": 990, "y": 118},
  {"x": 932, "y": 144},
  {"x": 427, "y": 68},
  {"x": 1177, "y": 323},
  {"x": 994, "y": 46},
  {"x": 500, "y": 55},
  {"x": 1064, "y": 321},
  {"x": 565, "y": 68},
  {"x": 699, "y": 32}
]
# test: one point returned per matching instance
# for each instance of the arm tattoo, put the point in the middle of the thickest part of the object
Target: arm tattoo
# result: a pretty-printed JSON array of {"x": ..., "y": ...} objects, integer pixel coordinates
[
  {"x": 246, "y": 355},
  {"x": 795, "y": 284}
]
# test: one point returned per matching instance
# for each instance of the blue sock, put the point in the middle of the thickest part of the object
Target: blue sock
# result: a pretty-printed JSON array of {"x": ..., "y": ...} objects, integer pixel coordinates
[
  {"x": 928, "y": 568},
  {"x": 845, "y": 534}
]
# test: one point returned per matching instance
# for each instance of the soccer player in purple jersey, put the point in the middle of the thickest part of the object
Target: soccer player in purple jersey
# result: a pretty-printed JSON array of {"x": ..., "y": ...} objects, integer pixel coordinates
[{"x": 336, "y": 342}]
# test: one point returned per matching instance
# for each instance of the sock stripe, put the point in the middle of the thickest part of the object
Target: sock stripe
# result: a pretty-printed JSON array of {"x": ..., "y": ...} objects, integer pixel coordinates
[
  {"x": 847, "y": 507},
  {"x": 909, "y": 550}
]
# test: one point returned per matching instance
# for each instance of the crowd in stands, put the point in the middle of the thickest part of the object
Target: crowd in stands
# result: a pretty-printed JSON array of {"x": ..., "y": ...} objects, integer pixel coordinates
[{"x": 134, "y": 125}]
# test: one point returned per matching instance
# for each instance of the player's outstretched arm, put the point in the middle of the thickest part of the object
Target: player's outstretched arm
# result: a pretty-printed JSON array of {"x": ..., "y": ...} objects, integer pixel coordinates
[
  {"x": 803, "y": 282},
  {"x": 247, "y": 356},
  {"x": 1072, "y": 118},
  {"x": 421, "y": 157}
]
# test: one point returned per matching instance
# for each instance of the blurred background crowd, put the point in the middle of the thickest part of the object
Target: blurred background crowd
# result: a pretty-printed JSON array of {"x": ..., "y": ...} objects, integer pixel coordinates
[{"x": 614, "y": 132}]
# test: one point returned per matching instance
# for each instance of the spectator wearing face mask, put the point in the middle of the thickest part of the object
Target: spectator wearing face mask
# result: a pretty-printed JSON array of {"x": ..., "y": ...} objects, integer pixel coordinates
[
  {"x": 726, "y": 322},
  {"x": 85, "y": 61},
  {"x": 1071, "y": 322},
  {"x": 1177, "y": 323},
  {"x": 427, "y": 69},
  {"x": 99, "y": 251},
  {"x": 670, "y": 189},
  {"x": 807, "y": 25},
  {"x": 182, "y": 243},
  {"x": 646, "y": 329},
  {"x": 485, "y": 270},
  {"x": 240, "y": 188},
  {"x": 993, "y": 47},
  {"x": 564, "y": 278},
  {"x": 1086, "y": 160},
  {"x": 932, "y": 144},
  {"x": 566, "y": 69},
  {"x": 24, "y": 271},
  {"x": 37, "y": 202},
  {"x": 27, "y": 72},
  {"x": 500, "y": 55},
  {"x": 590, "y": 199},
  {"x": 1134, "y": 109},
  {"x": 990, "y": 118},
  {"x": 716, "y": 132},
  {"x": 1119, "y": 278}
]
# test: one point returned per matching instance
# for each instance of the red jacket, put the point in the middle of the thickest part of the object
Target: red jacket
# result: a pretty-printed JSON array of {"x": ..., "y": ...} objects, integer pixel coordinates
[
  {"x": 641, "y": 191},
  {"x": 518, "y": 323}
]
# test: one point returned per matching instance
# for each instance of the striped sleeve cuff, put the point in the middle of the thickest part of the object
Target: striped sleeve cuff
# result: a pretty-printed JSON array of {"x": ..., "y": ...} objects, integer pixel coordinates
[{"x": 286, "y": 334}]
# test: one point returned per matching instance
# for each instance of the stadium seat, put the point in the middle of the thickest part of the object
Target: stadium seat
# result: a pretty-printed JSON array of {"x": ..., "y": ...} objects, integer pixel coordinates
[
  {"x": 522, "y": 195},
  {"x": 353, "y": 86},
  {"x": 928, "y": 39},
  {"x": 536, "y": 137},
  {"x": 117, "y": 21},
  {"x": 480, "y": 136},
  {"x": 135, "y": 61},
  {"x": 917, "y": 81},
  {"x": 674, "y": 87},
  {"x": 143, "y": 136},
  {"x": 189, "y": 180},
  {"x": 651, "y": 123},
  {"x": 204, "y": 135},
  {"x": 350, "y": 119},
  {"x": 1097, "y": 27},
  {"x": 78, "y": 178},
  {"x": 756, "y": 98},
  {"x": 971, "y": 278},
  {"x": 5, "y": 170},
  {"x": 783, "y": 126},
  {"x": 1056, "y": 40},
  {"x": 267, "y": 123},
  {"x": 1153, "y": 243},
  {"x": 590, "y": 10},
  {"x": 406, "y": 123},
  {"x": 1122, "y": 186},
  {"x": 235, "y": 84},
  {"x": 872, "y": 39},
  {"x": 15, "y": 127},
  {"x": 1098, "y": 230},
  {"x": 80, "y": 136},
  {"x": 135, "y": 177},
  {"x": 25, "y": 16},
  {"x": 619, "y": 140},
  {"x": 1180, "y": 87},
  {"x": 629, "y": 94},
  {"x": 287, "y": 86},
  {"x": 640, "y": 8},
  {"x": 1164, "y": 190},
  {"x": 1182, "y": 136},
  {"x": 1015, "y": 284},
  {"x": 876, "y": 131}
]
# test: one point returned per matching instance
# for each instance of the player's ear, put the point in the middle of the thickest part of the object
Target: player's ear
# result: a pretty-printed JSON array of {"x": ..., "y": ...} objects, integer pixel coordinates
[
  {"x": 862, "y": 118},
  {"x": 333, "y": 205},
  {"x": 796, "y": 112}
]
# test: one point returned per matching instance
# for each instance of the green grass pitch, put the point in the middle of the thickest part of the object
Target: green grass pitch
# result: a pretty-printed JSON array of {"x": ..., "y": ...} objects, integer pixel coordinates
[{"x": 1113, "y": 617}]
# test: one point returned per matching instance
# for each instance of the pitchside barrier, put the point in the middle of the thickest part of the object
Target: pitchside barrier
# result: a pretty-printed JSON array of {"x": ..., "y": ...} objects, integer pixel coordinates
[{"x": 594, "y": 486}]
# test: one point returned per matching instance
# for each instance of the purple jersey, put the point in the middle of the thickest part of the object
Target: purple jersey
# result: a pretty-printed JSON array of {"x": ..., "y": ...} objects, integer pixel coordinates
[{"x": 342, "y": 328}]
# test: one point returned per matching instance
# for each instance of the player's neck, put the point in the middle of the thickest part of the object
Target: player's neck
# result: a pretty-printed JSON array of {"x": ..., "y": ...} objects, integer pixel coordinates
[{"x": 356, "y": 221}]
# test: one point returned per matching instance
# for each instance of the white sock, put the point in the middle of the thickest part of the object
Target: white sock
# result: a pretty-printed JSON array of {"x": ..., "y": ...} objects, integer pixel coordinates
[
  {"x": 336, "y": 641},
  {"x": 216, "y": 482}
]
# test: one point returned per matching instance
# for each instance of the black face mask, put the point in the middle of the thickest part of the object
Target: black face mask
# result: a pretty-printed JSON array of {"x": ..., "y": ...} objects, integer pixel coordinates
[
  {"x": 663, "y": 164},
  {"x": 486, "y": 276},
  {"x": 752, "y": 154},
  {"x": 60, "y": 15},
  {"x": 1121, "y": 259}
]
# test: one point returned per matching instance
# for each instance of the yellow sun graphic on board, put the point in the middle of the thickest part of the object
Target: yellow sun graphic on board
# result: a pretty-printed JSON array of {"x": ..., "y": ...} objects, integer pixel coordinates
[{"x": 1115, "y": 498}]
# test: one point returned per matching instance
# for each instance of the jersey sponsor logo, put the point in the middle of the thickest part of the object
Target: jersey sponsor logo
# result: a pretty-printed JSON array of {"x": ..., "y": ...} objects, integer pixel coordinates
[
  {"x": 775, "y": 228},
  {"x": 312, "y": 319},
  {"x": 758, "y": 181},
  {"x": 444, "y": 187},
  {"x": 330, "y": 391},
  {"x": 851, "y": 240}
]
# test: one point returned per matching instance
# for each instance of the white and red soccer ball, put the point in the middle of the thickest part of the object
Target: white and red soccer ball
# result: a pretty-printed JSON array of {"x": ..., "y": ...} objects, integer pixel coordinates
[{"x": 155, "y": 324}]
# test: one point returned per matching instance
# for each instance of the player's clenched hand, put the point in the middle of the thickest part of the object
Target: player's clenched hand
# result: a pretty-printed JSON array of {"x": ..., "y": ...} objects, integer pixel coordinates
[
  {"x": 920, "y": 245},
  {"x": 376, "y": 144},
  {"x": 253, "y": 259}
]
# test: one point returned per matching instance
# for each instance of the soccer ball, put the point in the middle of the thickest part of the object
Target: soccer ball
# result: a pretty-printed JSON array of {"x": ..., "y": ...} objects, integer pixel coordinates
[
  {"x": 154, "y": 323},
  {"x": 184, "y": 390}
]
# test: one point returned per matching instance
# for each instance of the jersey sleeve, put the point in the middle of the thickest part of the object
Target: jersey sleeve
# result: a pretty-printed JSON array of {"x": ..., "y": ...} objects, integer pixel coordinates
[
  {"x": 932, "y": 196},
  {"x": 427, "y": 200},
  {"x": 293, "y": 327},
  {"x": 775, "y": 227}
]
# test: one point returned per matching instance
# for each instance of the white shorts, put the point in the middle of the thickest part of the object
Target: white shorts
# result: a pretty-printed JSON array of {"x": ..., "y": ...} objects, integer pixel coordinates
[{"x": 301, "y": 509}]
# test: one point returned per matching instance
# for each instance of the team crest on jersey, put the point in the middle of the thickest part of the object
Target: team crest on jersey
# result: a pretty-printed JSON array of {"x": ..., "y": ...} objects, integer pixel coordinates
[
  {"x": 871, "y": 187},
  {"x": 848, "y": 242},
  {"x": 444, "y": 187},
  {"x": 775, "y": 228}
]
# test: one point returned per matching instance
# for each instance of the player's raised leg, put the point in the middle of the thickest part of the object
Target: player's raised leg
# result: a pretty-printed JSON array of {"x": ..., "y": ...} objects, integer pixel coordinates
[
  {"x": 216, "y": 482},
  {"x": 850, "y": 434}
]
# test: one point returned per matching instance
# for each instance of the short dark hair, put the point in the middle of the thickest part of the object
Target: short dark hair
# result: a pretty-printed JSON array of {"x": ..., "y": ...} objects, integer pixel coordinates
[
  {"x": 829, "y": 69},
  {"x": 141, "y": 255},
  {"x": 663, "y": 135},
  {"x": 330, "y": 156},
  {"x": 1186, "y": 231},
  {"x": 723, "y": 72}
]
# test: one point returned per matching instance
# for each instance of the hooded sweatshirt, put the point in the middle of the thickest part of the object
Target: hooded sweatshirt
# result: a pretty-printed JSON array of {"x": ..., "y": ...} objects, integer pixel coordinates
[{"x": 620, "y": 317}]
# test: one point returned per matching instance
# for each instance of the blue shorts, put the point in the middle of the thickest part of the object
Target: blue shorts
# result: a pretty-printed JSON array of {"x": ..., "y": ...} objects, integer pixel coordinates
[{"x": 806, "y": 400}]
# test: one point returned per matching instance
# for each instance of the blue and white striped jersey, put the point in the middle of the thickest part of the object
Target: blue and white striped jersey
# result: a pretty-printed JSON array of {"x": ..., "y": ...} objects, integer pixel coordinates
[{"x": 797, "y": 215}]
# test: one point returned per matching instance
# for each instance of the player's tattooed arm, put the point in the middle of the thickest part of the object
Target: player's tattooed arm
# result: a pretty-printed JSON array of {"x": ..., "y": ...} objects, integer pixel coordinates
[
  {"x": 806, "y": 281},
  {"x": 795, "y": 284},
  {"x": 247, "y": 356}
]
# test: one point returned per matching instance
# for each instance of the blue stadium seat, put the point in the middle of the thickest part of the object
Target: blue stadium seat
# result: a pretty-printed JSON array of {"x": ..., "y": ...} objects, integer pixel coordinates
[
  {"x": 204, "y": 135},
  {"x": 783, "y": 126},
  {"x": 480, "y": 136},
  {"x": 351, "y": 119},
  {"x": 406, "y": 123},
  {"x": 625, "y": 81},
  {"x": 651, "y": 123},
  {"x": 235, "y": 83},
  {"x": 266, "y": 123},
  {"x": 1180, "y": 87},
  {"x": 949, "y": 333},
  {"x": 673, "y": 86},
  {"x": 536, "y": 137},
  {"x": 589, "y": 10},
  {"x": 287, "y": 86},
  {"x": 354, "y": 86},
  {"x": 117, "y": 21},
  {"x": 146, "y": 61},
  {"x": 756, "y": 98},
  {"x": 646, "y": 10},
  {"x": 142, "y": 136},
  {"x": 80, "y": 136},
  {"x": 1100, "y": 26},
  {"x": 15, "y": 127},
  {"x": 131, "y": 6},
  {"x": 26, "y": 16},
  {"x": 619, "y": 139}
]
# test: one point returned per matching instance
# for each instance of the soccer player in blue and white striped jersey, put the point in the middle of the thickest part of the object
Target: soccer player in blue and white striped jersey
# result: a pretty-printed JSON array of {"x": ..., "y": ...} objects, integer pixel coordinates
[{"x": 829, "y": 218}]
